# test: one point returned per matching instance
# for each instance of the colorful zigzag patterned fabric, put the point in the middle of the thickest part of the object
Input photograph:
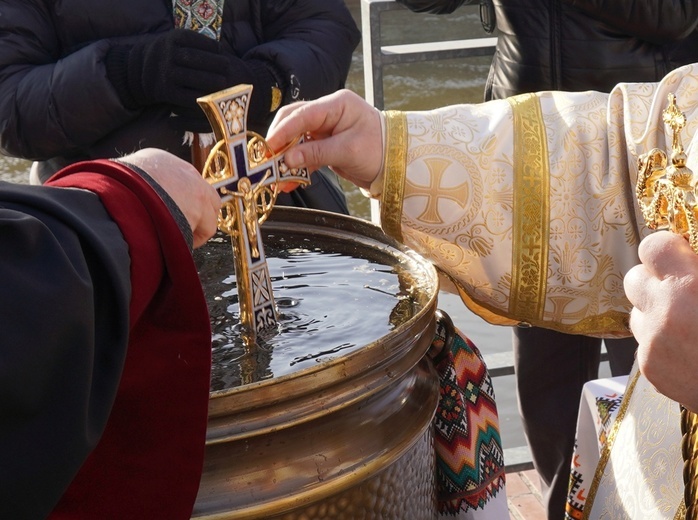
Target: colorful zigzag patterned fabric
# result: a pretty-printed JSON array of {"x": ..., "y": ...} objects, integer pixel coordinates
[{"x": 469, "y": 454}]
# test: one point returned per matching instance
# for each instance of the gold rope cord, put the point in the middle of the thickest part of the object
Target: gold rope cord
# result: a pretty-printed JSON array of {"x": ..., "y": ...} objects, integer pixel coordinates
[
  {"x": 667, "y": 197},
  {"x": 689, "y": 449}
]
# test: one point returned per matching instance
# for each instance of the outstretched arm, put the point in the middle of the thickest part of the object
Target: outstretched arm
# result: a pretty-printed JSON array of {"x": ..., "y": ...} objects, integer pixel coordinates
[{"x": 528, "y": 203}]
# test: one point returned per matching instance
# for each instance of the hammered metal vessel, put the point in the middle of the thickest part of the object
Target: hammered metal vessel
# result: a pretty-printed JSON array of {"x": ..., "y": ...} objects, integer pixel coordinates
[{"x": 348, "y": 438}]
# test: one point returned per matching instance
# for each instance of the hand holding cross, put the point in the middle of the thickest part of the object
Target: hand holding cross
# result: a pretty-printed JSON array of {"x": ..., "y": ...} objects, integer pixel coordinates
[{"x": 247, "y": 175}]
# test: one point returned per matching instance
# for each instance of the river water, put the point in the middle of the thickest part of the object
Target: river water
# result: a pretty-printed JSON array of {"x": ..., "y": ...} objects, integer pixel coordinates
[{"x": 418, "y": 86}]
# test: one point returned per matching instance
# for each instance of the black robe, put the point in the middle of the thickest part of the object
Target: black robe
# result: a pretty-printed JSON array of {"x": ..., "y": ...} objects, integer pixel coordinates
[{"x": 104, "y": 350}]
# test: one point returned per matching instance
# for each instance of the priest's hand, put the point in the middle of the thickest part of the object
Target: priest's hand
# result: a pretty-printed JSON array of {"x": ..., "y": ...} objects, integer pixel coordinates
[
  {"x": 664, "y": 320},
  {"x": 344, "y": 133},
  {"x": 196, "y": 198}
]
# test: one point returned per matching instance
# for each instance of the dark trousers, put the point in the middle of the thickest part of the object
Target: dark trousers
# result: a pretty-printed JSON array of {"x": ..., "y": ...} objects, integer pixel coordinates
[{"x": 551, "y": 368}]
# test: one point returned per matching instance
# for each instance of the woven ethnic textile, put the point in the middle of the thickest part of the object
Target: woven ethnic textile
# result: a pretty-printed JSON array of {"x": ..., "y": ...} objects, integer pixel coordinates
[
  {"x": 469, "y": 455},
  {"x": 204, "y": 16},
  {"x": 599, "y": 405}
]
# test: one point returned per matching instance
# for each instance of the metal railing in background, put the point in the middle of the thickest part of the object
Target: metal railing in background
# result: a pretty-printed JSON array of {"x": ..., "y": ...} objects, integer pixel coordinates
[{"x": 376, "y": 55}]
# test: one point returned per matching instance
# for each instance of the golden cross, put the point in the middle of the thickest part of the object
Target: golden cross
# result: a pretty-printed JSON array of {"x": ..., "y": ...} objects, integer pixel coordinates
[
  {"x": 675, "y": 119},
  {"x": 665, "y": 186},
  {"x": 666, "y": 194},
  {"x": 247, "y": 175},
  {"x": 437, "y": 170}
]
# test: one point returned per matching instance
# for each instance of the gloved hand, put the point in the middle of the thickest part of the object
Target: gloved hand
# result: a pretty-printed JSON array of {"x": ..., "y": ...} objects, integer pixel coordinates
[
  {"x": 179, "y": 66},
  {"x": 236, "y": 71},
  {"x": 173, "y": 68}
]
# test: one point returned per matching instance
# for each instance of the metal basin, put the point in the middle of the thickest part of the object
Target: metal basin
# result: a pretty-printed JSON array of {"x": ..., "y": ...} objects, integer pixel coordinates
[{"x": 347, "y": 437}]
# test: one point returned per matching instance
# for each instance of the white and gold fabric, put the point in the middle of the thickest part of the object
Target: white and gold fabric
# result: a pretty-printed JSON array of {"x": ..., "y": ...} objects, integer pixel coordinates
[
  {"x": 598, "y": 408},
  {"x": 640, "y": 471},
  {"x": 529, "y": 203}
]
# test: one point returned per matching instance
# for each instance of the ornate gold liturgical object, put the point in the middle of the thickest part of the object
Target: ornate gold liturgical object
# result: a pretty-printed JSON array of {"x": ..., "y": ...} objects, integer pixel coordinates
[
  {"x": 248, "y": 176},
  {"x": 666, "y": 194}
]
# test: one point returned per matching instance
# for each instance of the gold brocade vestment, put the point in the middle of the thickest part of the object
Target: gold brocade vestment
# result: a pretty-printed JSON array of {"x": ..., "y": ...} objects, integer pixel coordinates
[{"x": 528, "y": 204}]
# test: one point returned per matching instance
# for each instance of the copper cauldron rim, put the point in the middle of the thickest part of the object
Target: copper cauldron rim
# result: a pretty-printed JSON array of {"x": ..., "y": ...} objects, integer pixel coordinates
[{"x": 400, "y": 349}]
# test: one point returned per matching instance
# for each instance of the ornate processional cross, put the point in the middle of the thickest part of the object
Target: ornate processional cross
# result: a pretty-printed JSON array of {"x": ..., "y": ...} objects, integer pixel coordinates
[
  {"x": 666, "y": 192},
  {"x": 667, "y": 197},
  {"x": 247, "y": 175}
]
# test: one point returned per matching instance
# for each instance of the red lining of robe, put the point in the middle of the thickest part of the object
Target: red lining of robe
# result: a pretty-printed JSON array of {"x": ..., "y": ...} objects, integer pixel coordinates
[{"x": 149, "y": 459}]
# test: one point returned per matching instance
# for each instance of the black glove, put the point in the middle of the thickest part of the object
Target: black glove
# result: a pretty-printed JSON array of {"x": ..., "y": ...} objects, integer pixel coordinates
[
  {"x": 174, "y": 68},
  {"x": 236, "y": 71},
  {"x": 179, "y": 66}
]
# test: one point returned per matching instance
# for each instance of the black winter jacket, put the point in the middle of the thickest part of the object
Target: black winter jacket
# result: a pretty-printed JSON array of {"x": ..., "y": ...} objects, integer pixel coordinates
[
  {"x": 56, "y": 101},
  {"x": 579, "y": 45}
]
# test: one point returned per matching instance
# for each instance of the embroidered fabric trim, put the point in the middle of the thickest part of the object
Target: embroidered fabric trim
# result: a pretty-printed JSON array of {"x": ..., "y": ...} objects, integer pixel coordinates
[
  {"x": 531, "y": 210},
  {"x": 395, "y": 169}
]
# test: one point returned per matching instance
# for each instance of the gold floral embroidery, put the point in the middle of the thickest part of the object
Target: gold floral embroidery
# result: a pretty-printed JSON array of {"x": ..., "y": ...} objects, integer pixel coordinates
[
  {"x": 531, "y": 210},
  {"x": 639, "y": 473},
  {"x": 572, "y": 279}
]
